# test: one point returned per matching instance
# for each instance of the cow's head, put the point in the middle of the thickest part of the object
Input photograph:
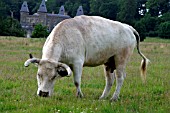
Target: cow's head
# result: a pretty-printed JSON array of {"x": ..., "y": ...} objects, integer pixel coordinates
[{"x": 48, "y": 72}]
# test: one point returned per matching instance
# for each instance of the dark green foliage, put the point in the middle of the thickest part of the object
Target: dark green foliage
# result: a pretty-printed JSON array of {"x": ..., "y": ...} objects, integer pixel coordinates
[
  {"x": 140, "y": 6},
  {"x": 164, "y": 30},
  {"x": 94, "y": 7},
  {"x": 40, "y": 31},
  {"x": 71, "y": 7},
  {"x": 141, "y": 28},
  {"x": 3, "y": 9},
  {"x": 10, "y": 27},
  {"x": 152, "y": 5},
  {"x": 165, "y": 17},
  {"x": 155, "y": 6},
  {"x": 109, "y": 10},
  {"x": 151, "y": 24},
  {"x": 152, "y": 33},
  {"x": 127, "y": 11},
  {"x": 33, "y": 5},
  {"x": 54, "y": 5}
]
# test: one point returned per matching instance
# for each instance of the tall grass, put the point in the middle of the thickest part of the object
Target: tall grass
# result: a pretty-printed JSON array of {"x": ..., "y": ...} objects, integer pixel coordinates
[{"x": 18, "y": 84}]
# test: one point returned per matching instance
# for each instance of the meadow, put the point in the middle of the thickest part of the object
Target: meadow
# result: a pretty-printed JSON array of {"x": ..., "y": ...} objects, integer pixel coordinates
[{"x": 18, "y": 84}]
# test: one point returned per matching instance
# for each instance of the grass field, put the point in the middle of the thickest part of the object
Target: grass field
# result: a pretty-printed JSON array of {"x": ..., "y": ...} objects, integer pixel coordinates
[{"x": 18, "y": 85}]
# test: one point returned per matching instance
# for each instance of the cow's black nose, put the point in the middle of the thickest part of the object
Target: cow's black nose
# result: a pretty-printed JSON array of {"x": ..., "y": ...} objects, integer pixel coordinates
[{"x": 43, "y": 94}]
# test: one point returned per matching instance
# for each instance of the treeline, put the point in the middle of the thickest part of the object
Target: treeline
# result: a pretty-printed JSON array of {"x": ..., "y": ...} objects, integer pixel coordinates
[{"x": 149, "y": 17}]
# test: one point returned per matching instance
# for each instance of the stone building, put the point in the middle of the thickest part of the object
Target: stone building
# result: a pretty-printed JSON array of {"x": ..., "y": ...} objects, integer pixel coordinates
[{"x": 42, "y": 16}]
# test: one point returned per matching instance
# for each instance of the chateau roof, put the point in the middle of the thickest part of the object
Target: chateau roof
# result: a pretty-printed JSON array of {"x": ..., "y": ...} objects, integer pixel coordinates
[
  {"x": 58, "y": 15},
  {"x": 80, "y": 11},
  {"x": 24, "y": 7},
  {"x": 42, "y": 7},
  {"x": 62, "y": 10}
]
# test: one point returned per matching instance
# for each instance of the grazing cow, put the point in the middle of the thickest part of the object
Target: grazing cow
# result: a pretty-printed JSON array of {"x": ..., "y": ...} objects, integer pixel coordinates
[{"x": 87, "y": 41}]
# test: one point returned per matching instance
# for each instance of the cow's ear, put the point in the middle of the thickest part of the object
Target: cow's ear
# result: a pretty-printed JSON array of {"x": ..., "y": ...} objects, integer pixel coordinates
[{"x": 63, "y": 70}]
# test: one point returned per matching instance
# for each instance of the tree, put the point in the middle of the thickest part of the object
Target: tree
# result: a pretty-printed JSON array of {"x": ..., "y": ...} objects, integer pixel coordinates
[
  {"x": 141, "y": 9},
  {"x": 86, "y": 6},
  {"x": 33, "y": 5},
  {"x": 11, "y": 27},
  {"x": 158, "y": 7},
  {"x": 141, "y": 28},
  {"x": 127, "y": 11},
  {"x": 94, "y": 7},
  {"x": 40, "y": 31},
  {"x": 54, "y": 5},
  {"x": 71, "y": 7},
  {"x": 151, "y": 24},
  {"x": 3, "y": 10},
  {"x": 109, "y": 10},
  {"x": 165, "y": 17}
]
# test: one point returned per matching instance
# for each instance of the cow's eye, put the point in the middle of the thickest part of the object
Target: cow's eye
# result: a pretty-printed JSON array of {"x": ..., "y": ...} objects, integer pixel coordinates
[{"x": 39, "y": 75}]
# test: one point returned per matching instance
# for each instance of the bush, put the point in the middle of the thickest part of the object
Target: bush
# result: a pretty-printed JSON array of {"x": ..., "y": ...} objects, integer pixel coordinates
[
  {"x": 164, "y": 30},
  {"x": 150, "y": 22},
  {"x": 165, "y": 17},
  {"x": 10, "y": 27},
  {"x": 40, "y": 31},
  {"x": 152, "y": 33}
]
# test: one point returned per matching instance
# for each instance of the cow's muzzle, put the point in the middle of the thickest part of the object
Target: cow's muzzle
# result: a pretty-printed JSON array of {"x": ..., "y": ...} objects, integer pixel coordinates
[{"x": 43, "y": 94}]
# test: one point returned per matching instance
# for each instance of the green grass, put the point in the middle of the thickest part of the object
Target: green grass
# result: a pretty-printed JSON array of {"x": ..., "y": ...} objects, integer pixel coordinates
[{"x": 18, "y": 85}]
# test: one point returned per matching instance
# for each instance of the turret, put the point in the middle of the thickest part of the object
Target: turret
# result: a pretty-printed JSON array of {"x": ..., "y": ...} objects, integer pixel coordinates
[
  {"x": 42, "y": 11},
  {"x": 24, "y": 12},
  {"x": 62, "y": 10},
  {"x": 42, "y": 8},
  {"x": 80, "y": 11},
  {"x": 24, "y": 7}
]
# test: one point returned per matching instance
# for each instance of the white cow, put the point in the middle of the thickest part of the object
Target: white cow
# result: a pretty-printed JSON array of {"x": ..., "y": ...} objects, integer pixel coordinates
[{"x": 87, "y": 41}]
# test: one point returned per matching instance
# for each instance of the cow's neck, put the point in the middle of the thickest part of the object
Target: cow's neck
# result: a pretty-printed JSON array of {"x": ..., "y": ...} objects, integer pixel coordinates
[{"x": 52, "y": 52}]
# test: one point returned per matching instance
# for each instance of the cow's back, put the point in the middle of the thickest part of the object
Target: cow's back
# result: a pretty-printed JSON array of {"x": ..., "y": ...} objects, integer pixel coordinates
[{"x": 92, "y": 39}]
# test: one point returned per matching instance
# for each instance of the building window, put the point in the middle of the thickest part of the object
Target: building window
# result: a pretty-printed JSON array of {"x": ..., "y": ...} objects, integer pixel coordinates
[
  {"x": 42, "y": 21},
  {"x": 31, "y": 20},
  {"x": 28, "y": 20}
]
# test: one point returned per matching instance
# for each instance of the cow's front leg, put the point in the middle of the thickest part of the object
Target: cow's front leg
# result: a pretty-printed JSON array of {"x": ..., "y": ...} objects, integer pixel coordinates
[{"x": 77, "y": 70}]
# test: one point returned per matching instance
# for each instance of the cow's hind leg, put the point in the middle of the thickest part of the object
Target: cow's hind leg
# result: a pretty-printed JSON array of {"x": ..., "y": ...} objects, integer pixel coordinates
[
  {"x": 120, "y": 61},
  {"x": 119, "y": 82},
  {"x": 109, "y": 76}
]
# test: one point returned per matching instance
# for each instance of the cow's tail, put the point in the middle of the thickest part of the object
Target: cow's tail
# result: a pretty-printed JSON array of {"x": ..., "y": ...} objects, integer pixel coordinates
[{"x": 144, "y": 61}]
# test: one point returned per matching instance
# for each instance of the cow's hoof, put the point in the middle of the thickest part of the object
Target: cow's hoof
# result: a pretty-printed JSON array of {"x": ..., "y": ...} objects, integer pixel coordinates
[
  {"x": 79, "y": 95},
  {"x": 102, "y": 98},
  {"x": 114, "y": 99}
]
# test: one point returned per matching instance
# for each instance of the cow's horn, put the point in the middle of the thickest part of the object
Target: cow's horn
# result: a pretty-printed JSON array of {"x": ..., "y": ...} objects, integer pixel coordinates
[
  {"x": 31, "y": 60},
  {"x": 30, "y": 55}
]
